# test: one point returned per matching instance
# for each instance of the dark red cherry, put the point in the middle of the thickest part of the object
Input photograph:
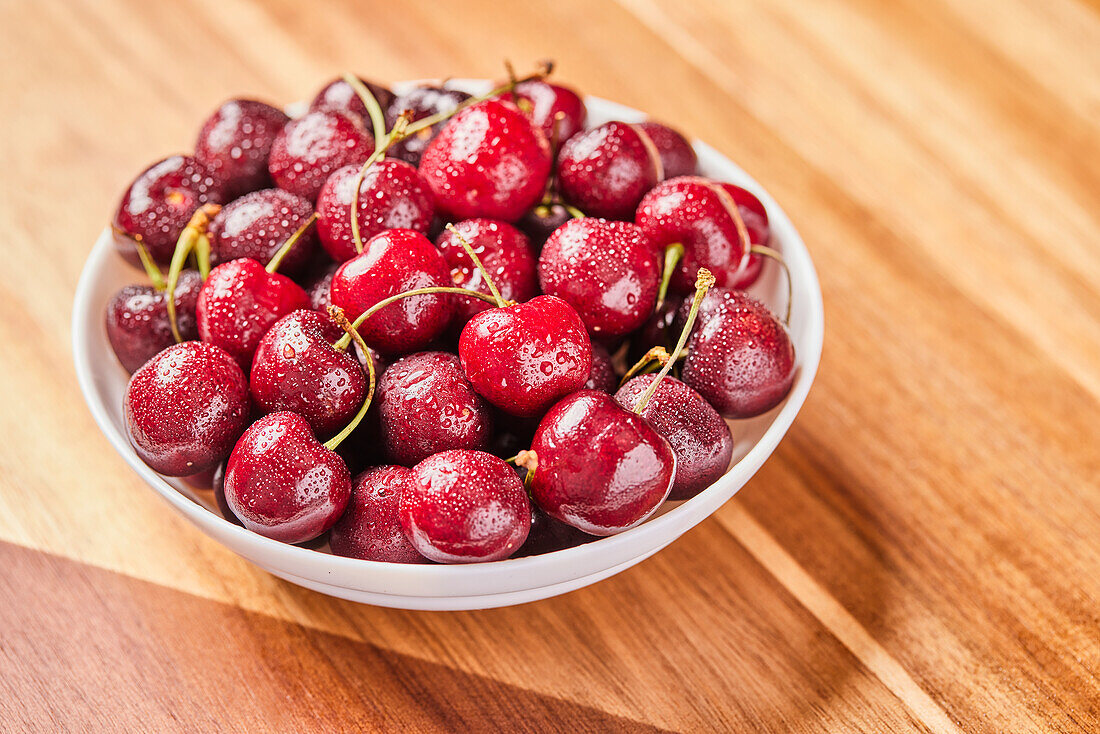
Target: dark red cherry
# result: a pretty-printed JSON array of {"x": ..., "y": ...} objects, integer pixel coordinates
[
  {"x": 548, "y": 535},
  {"x": 391, "y": 196},
  {"x": 297, "y": 369},
  {"x": 240, "y": 301},
  {"x": 540, "y": 222},
  {"x": 393, "y": 262},
  {"x": 308, "y": 150},
  {"x": 488, "y": 161},
  {"x": 656, "y": 331},
  {"x": 423, "y": 101},
  {"x": 523, "y": 358},
  {"x": 235, "y": 141},
  {"x": 602, "y": 377},
  {"x": 370, "y": 527},
  {"x": 608, "y": 271},
  {"x": 219, "y": 495},
  {"x": 318, "y": 285},
  {"x": 258, "y": 224},
  {"x": 426, "y": 405},
  {"x": 503, "y": 250},
  {"x": 137, "y": 319},
  {"x": 544, "y": 102},
  {"x": 755, "y": 217},
  {"x": 464, "y": 506},
  {"x": 740, "y": 357},
  {"x": 185, "y": 408},
  {"x": 699, "y": 437},
  {"x": 159, "y": 203},
  {"x": 677, "y": 156},
  {"x": 601, "y": 468},
  {"x": 338, "y": 96},
  {"x": 607, "y": 170},
  {"x": 282, "y": 483}
]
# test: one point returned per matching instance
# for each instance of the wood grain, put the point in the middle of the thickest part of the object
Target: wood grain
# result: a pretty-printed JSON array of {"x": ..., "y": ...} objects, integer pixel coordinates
[{"x": 921, "y": 554}]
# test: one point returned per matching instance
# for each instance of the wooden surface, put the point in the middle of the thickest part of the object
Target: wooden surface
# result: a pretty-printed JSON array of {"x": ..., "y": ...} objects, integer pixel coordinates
[{"x": 921, "y": 554}]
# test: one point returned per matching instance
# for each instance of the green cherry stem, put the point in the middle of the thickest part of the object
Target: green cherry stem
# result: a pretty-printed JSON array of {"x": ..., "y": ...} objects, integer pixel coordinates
[
  {"x": 377, "y": 117},
  {"x": 337, "y": 315},
  {"x": 703, "y": 282},
  {"x": 529, "y": 460},
  {"x": 189, "y": 238},
  {"x": 400, "y": 130},
  {"x": 673, "y": 254},
  {"x": 150, "y": 267},
  {"x": 574, "y": 211},
  {"x": 778, "y": 257},
  {"x": 277, "y": 259},
  {"x": 477, "y": 263},
  {"x": 656, "y": 354}
]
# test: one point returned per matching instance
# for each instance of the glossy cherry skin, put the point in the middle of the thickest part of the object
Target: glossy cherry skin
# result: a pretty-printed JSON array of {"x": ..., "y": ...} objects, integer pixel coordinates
[
  {"x": 235, "y": 141},
  {"x": 159, "y": 203},
  {"x": 391, "y": 196},
  {"x": 740, "y": 358},
  {"x": 539, "y": 223},
  {"x": 426, "y": 405},
  {"x": 258, "y": 224},
  {"x": 464, "y": 506},
  {"x": 308, "y": 150},
  {"x": 488, "y": 161},
  {"x": 602, "y": 376},
  {"x": 297, "y": 369},
  {"x": 548, "y": 535},
  {"x": 523, "y": 358},
  {"x": 601, "y": 468},
  {"x": 677, "y": 156},
  {"x": 657, "y": 331},
  {"x": 282, "y": 483},
  {"x": 608, "y": 271},
  {"x": 338, "y": 96},
  {"x": 756, "y": 221},
  {"x": 422, "y": 101},
  {"x": 370, "y": 527},
  {"x": 543, "y": 102},
  {"x": 607, "y": 170},
  {"x": 185, "y": 408},
  {"x": 240, "y": 301},
  {"x": 393, "y": 262},
  {"x": 506, "y": 254},
  {"x": 699, "y": 437},
  {"x": 137, "y": 319}
]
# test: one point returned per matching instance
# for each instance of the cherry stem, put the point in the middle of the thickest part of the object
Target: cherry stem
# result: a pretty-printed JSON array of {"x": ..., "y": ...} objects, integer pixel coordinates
[
  {"x": 529, "y": 460},
  {"x": 477, "y": 263},
  {"x": 277, "y": 259},
  {"x": 778, "y": 257},
  {"x": 151, "y": 269},
  {"x": 189, "y": 239},
  {"x": 656, "y": 354},
  {"x": 703, "y": 281},
  {"x": 377, "y": 117},
  {"x": 574, "y": 211},
  {"x": 345, "y": 340},
  {"x": 337, "y": 314},
  {"x": 202, "y": 255},
  {"x": 673, "y": 254},
  {"x": 400, "y": 130}
]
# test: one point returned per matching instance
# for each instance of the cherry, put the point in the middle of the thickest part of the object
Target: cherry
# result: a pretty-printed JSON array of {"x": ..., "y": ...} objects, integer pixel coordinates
[
  {"x": 426, "y": 405},
  {"x": 370, "y": 527},
  {"x": 558, "y": 110},
  {"x": 699, "y": 437},
  {"x": 602, "y": 376},
  {"x": 462, "y": 506},
  {"x": 296, "y": 369},
  {"x": 310, "y": 148},
  {"x": 677, "y": 156},
  {"x": 318, "y": 285},
  {"x": 522, "y": 358},
  {"x": 282, "y": 483},
  {"x": 656, "y": 331},
  {"x": 392, "y": 195},
  {"x": 393, "y": 262},
  {"x": 256, "y": 226},
  {"x": 137, "y": 319},
  {"x": 548, "y": 535},
  {"x": 488, "y": 161},
  {"x": 218, "y": 485},
  {"x": 539, "y": 223},
  {"x": 597, "y": 466},
  {"x": 158, "y": 205},
  {"x": 235, "y": 141},
  {"x": 422, "y": 101},
  {"x": 185, "y": 407},
  {"x": 506, "y": 255},
  {"x": 608, "y": 271},
  {"x": 755, "y": 217},
  {"x": 339, "y": 96},
  {"x": 607, "y": 170}
]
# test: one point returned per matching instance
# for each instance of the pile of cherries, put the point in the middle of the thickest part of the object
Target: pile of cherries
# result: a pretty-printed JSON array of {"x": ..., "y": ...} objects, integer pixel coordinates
[{"x": 389, "y": 323}]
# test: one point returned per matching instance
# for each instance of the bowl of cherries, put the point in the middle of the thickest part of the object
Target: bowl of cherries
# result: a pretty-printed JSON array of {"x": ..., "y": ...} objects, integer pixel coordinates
[{"x": 446, "y": 346}]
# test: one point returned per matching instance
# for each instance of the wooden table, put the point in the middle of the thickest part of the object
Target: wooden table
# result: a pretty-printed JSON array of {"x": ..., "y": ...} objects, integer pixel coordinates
[{"x": 921, "y": 553}]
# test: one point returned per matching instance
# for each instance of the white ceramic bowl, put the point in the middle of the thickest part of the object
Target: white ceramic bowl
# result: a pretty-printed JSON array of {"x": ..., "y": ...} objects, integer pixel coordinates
[{"x": 475, "y": 586}]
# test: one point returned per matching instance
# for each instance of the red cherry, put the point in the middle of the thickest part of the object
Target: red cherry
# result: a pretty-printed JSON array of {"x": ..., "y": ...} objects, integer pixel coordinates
[
  {"x": 677, "y": 156},
  {"x": 235, "y": 141},
  {"x": 544, "y": 102},
  {"x": 185, "y": 408},
  {"x": 282, "y": 483},
  {"x": 607, "y": 271},
  {"x": 699, "y": 437},
  {"x": 318, "y": 286},
  {"x": 423, "y": 101},
  {"x": 159, "y": 203},
  {"x": 656, "y": 331},
  {"x": 338, "y": 96},
  {"x": 309, "y": 149},
  {"x": 464, "y": 506},
  {"x": 600, "y": 468},
  {"x": 137, "y": 319},
  {"x": 505, "y": 253},
  {"x": 391, "y": 263},
  {"x": 755, "y": 217},
  {"x": 607, "y": 170},
  {"x": 548, "y": 535},
  {"x": 539, "y": 223},
  {"x": 523, "y": 358},
  {"x": 240, "y": 301},
  {"x": 391, "y": 196},
  {"x": 258, "y": 224},
  {"x": 488, "y": 161},
  {"x": 602, "y": 376},
  {"x": 426, "y": 405},
  {"x": 370, "y": 527}
]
